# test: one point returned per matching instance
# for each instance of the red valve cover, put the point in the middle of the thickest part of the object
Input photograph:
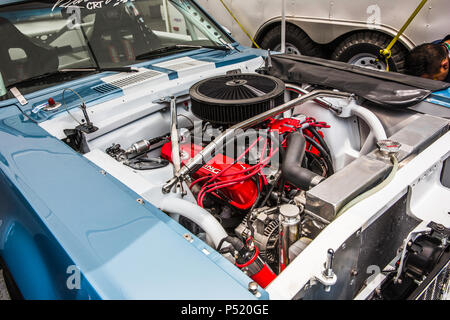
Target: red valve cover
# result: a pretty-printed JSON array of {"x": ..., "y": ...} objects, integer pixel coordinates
[{"x": 242, "y": 195}]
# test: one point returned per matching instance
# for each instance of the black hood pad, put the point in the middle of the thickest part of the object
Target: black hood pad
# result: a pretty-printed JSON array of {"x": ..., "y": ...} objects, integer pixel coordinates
[{"x": 385, "y": 89}]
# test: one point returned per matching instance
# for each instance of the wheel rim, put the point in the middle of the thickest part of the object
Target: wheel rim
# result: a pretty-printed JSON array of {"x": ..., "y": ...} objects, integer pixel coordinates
[
  {"x": 290, "y": 49},
  {"x": 367, "y": 60}
]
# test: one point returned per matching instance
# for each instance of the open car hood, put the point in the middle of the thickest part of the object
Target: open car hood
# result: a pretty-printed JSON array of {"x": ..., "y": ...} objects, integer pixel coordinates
[{"x": 385, "y": 89}]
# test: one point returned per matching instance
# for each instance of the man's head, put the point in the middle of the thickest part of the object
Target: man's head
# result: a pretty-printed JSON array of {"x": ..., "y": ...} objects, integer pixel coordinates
[
  {"x": 428, "y": 61},
  {"x": 446, "y": 39}
]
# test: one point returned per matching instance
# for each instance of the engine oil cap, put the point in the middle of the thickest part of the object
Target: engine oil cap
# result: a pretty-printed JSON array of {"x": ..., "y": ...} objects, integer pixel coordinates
[{"x": 389, "y": 146}]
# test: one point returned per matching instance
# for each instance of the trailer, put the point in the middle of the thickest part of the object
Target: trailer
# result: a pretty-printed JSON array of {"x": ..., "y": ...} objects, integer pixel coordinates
[{"x": 349, "y": 31}]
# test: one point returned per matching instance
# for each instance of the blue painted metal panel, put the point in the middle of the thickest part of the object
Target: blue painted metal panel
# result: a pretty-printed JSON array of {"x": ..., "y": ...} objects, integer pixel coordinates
[
  {"x": 82, "y": 83},
  {"x": 86, "y": 90},
  {"x": 213, "y": 20},
  {"x": 441, "y": 98}
]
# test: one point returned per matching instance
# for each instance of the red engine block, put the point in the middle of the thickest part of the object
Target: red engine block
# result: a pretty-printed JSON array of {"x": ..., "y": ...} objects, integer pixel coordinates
[{"x": 241, "y": 195}]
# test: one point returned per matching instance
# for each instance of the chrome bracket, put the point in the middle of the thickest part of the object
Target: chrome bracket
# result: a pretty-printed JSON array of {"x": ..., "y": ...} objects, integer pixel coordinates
[
  {"x": 328, "y": 278},
  {"x": 18, "y": 96}
]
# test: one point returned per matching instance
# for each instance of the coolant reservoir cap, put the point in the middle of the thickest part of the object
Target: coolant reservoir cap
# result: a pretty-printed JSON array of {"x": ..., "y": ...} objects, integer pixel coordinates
[
  {"x": 389, "y": 146},
  {"x": 289, "y": 211}
]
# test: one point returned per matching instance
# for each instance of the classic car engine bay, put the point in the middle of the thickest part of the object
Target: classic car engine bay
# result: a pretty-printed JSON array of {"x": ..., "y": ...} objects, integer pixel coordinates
[
  {"x": 145, "y": 154},
  {"x": 258, "y": 169}
]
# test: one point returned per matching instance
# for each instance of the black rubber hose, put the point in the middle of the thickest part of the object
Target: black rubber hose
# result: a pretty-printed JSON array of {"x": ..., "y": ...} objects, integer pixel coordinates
[
  {"x": 235, "y": 243},
  {"x": 320, "y": 139},
  {"x": 324, "y": 154},
  {"x": 292, "y": 169}
]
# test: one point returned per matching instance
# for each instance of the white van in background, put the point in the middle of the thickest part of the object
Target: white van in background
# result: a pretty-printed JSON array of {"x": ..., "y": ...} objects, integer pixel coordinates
[{"x": 344, "y": 30}]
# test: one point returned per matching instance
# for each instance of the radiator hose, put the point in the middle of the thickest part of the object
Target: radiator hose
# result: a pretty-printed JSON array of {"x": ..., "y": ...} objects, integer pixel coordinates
[
  {"x": 292, "y": 169},
  {"x": 198, "y": 215}
]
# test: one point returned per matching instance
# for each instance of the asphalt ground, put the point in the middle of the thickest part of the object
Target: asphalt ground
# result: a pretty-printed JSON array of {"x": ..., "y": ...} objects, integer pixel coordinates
[{"x": 3, "y": 292}]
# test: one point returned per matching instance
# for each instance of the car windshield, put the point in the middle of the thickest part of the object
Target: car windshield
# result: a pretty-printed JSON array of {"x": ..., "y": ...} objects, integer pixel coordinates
[{"x": 43, "y": 37}]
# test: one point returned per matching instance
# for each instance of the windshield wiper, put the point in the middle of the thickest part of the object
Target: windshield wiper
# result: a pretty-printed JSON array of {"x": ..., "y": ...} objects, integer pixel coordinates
[
  {"x": 178, "y": 47},
  {"x": 63, "y": 72}
]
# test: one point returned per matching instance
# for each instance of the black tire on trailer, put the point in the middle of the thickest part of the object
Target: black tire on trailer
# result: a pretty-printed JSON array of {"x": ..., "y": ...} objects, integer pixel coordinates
[
  {"x": 363, "y": 48},
  {"x": 11, "y": 286},
  {"x": 297, "y": 41}
]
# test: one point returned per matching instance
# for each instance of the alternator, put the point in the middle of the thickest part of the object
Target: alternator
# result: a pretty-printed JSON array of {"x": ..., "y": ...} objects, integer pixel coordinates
[{"x": 265, "y": 224}]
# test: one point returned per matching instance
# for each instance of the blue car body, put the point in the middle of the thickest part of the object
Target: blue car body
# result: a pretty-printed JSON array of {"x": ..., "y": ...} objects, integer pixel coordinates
[
  {"x": 62, "y": 215},
  {"x": 59, "y": 210}
]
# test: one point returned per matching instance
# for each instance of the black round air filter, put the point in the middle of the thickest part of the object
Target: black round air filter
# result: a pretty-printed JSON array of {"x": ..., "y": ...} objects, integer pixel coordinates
[{"x": 227, "y": 100}]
